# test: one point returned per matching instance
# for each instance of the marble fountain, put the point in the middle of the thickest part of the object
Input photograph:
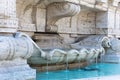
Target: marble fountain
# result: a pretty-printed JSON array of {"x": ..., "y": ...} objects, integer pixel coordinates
[{"x": 50, "y": 35}]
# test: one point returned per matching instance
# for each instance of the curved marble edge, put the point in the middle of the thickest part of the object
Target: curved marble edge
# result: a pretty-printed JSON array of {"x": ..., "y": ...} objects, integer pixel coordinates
[
  {"x": 83, "y": 53},
  {"x": 72, "y": 55}
]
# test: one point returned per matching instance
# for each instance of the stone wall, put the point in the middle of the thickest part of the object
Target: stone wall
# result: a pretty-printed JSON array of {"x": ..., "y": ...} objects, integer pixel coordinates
[
  {"x": 69, "y": 19},
  {"x": 94, "y": 18},
  {"x": 8, "y": 20}
]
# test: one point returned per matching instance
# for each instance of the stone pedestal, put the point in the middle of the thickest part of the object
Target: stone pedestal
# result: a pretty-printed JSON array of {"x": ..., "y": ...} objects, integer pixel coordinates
[
  {"x": 111, "y": 58},
  {"x": 16, "y": 69},
  {"x": 14, "y": 52}
]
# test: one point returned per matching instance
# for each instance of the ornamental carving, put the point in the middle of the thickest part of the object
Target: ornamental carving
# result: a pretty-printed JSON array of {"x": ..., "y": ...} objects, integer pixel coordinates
[{"x": 58, "y": 10}]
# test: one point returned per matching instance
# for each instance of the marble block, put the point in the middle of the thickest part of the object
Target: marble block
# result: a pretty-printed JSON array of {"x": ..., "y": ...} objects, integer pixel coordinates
[{"x": 16, "y": 69}]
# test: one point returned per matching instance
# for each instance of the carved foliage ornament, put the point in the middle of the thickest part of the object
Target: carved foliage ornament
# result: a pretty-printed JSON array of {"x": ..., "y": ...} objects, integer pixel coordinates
[{"x": 58, "y": 10}]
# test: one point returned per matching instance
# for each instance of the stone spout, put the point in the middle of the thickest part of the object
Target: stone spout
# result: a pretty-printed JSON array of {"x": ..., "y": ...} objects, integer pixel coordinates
[{"x": 58, "y": 10}]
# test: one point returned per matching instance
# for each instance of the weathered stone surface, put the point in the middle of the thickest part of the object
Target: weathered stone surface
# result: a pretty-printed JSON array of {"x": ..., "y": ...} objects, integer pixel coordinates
[
  {"x": 58, "y": 10},
  {"x": 16, "y": 69},
  {"x": 14, "y": 52},
  {"x": 83, "y": 23},
  {"x": 96, "y": 14},
  {"x": 48, "y": 41},
  {"x": 26, "y": 14},
  {"x": 8, "y": 20},
  {"x": 40, "y": 20},
  {"x": 86, "y": 22}
]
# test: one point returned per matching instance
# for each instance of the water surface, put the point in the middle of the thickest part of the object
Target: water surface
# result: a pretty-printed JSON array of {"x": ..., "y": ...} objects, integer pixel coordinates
[{"x": 101, "y": 69}]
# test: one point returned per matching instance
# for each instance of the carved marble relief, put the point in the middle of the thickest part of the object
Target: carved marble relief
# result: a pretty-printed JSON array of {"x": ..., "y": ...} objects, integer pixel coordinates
[
  {"x": 56, "y": 11},
  {"x": 25, "y": 11},
  {"x": 50, "y": 15},
  {"x": 87, "y": 49}
]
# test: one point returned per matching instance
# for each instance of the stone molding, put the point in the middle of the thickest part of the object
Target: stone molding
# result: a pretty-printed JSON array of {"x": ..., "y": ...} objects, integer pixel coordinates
[{"x": 58, "y": 10}]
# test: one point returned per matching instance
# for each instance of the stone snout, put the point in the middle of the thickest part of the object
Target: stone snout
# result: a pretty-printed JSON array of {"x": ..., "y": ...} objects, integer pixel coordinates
[
  {"x": 14, "y": 52},
  {"x": 59, "y": 10}
]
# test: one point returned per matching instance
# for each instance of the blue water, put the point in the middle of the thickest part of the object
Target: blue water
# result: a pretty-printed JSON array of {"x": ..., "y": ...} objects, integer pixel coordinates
[{"x": 101, "y": 69}]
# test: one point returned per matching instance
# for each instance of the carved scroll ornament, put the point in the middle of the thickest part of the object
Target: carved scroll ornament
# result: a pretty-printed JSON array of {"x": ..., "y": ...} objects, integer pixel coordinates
[
  {"x": 58, "y": 10},
  {"x": 19, "y": 46}
]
